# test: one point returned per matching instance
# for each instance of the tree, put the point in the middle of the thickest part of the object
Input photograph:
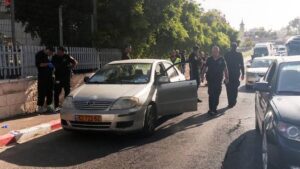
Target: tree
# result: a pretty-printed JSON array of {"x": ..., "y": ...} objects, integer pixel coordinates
[
  {"x": 294, "y": 27},
  {"x": 41, "y": 20}
]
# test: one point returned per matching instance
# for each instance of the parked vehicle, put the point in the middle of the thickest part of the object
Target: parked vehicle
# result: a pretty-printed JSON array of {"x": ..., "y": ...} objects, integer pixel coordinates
[
  {"x": 277, "y": 114},
  {"x": 129, "y": 95},
  {"x": 257, "y": 69},
  {"x": 281, "y": 51},
  {"x": 293, "y": 46},
  {"x": 263, "y": 49}
]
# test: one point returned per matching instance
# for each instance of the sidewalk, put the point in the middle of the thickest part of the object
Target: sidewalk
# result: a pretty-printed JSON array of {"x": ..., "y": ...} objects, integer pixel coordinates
[{"x": 25, "y": 121}]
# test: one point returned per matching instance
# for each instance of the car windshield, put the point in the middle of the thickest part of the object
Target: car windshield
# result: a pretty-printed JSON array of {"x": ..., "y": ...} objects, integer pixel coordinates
[
  {"x": 129, "y": 73},
  {"x": 289, "y": 78},
  {"x": 281, "y": 49},
  {"x": 261, "y": 51},
  {"x": 293, "y": 48},
  {"x": 261, "y": 63}
]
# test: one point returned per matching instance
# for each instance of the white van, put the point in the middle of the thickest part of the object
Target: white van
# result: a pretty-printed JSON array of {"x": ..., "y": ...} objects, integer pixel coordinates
[{"x": 263, "y": 49}]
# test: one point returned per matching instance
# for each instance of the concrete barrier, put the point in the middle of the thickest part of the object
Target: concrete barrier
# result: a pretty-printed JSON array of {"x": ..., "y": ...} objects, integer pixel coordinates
[{"x": 19, "y": 96}]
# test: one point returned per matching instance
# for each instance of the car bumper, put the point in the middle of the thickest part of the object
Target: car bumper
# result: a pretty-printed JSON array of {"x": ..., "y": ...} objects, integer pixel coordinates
[
  {"x": 285, "y": 153},
  {"x": 115, "y": 121}
]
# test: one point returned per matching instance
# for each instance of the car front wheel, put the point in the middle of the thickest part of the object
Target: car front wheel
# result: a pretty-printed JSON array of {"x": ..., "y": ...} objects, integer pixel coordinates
[
  {"x": 265, "y": 153},
  {"x": 150, "y": 121}
]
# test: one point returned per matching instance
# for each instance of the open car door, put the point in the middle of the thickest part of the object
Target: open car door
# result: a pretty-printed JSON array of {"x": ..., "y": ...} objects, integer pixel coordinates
[{"x": 176, "y": 97}]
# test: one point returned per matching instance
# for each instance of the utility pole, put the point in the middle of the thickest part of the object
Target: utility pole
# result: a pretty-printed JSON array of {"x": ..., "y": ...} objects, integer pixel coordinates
[
  {"x": 60, "y": 18},
  {"x": 95, "y": 24},
  {"x": 13, "y": 29}
]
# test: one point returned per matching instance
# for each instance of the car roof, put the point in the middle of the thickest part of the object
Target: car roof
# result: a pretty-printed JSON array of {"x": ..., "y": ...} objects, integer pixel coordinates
[
  {"x": 138, "y": 61},
  {"x": 267, "y": 57},
  {"x": 262, "y": 44},
  {"x": 285, "y": 59}
]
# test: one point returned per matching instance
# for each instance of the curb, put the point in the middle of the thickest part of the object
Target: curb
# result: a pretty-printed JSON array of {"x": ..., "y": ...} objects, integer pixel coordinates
[{"x": 21, "y": 136}]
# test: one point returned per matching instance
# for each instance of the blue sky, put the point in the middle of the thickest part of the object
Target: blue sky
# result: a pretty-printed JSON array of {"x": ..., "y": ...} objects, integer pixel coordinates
[{"x": 271, "y": 14}]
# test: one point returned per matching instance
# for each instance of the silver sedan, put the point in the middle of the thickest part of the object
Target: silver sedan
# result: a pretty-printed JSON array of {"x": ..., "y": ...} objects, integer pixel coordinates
[{"x": 129, "y": 95}]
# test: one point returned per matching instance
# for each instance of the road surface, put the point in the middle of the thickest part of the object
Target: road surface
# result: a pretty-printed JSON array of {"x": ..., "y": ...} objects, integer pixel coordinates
[{"x": 187, "y": 141}]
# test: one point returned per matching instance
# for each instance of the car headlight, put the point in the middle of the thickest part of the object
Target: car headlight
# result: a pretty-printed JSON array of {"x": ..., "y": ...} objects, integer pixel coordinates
[
  {"x": 289, "y": 131},
  {"x": 125, "y": 103},
  {"x": 68, "y": 102}
]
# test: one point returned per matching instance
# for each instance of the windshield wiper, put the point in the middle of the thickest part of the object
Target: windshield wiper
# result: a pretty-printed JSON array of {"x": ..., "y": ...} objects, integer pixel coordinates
[
  {"x": 96, "y": 82},
  {"x": 289, "y": 92}
]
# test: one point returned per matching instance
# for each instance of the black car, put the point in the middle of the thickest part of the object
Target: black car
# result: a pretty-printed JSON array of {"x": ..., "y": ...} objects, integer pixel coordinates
[{"x": 277, "y": 109}]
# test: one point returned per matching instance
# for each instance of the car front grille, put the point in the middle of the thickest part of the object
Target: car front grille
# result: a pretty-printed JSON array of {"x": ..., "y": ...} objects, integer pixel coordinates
[
  {"x": 98, "y": 125},
  {"x": 92, "y": 105}
]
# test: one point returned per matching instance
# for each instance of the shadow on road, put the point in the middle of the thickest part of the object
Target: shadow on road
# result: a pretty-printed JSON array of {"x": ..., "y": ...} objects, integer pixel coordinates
[
  {"x": 63, "y": 149},
  {"x": 244, "y": 152},
  {"x": 243, "y": 89}
]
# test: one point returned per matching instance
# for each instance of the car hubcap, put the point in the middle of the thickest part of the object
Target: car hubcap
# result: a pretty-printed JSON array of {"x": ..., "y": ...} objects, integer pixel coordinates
[{"x": 265, "y": 151}]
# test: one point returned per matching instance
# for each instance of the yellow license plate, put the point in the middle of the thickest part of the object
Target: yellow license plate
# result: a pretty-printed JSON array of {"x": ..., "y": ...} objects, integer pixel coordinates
[{"x": 88, "y": 118}]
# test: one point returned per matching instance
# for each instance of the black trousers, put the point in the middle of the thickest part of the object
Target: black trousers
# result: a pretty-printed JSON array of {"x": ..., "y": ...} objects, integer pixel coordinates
[
  {"x": 59, "y": 85},
  {"x": 232, "y": 91},
  {"x": 45, "y": 90},
  {"x": 214, "y": 92}
]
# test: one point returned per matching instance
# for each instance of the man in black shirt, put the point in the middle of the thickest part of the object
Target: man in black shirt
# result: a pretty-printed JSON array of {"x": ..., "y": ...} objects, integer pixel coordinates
[
  {"x": 63, "y": 64},
  {"x": 235, "y": 64},
  {"x": 215, "y": 70},
  {"x": 195, "y": 66},
  {"x": 126, "y": 52},
  {"x": 45, "y": 79}
]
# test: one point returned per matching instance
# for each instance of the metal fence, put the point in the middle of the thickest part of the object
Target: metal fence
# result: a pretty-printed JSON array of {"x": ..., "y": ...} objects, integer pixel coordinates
[{"x": 20, "y": 62}]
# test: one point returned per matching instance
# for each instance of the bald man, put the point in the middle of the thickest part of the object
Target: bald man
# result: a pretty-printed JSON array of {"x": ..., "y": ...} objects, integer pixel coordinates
[{"x": 215, "y": 70}]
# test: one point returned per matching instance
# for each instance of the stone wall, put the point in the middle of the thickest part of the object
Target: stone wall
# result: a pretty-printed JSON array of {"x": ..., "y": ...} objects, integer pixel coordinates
[{"x": 20, "y": 96}]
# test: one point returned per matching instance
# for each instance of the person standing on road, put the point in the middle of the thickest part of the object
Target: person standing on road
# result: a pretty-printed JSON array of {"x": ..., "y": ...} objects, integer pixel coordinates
[
  {"x": 126, "y": 53},
  {"x": 175, "y": 59},
  {"x": 215, "y": 70},
  {"x": 195, "y": 66},
  {"x": 235, "y": 64},
  {"x": 45, "y": 79},
  {"x": 63, "y": 63},
  {"x": 183, "y": 59}
]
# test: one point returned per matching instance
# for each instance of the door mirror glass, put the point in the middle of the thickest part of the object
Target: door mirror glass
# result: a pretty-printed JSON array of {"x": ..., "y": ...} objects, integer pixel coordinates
[
  {"x": 163, "y": 79},
  {"x": 86, "y": 79},
  {"x": 262, "y": 87}
]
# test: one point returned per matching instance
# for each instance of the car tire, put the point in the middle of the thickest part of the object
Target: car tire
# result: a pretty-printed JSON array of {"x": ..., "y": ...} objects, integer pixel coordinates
[
  {"x": 256, "y": 125},
  {"x": 149, "y": 121},
  {"x": 248, "y": 87},
  {"x": 265, "y": 154}
]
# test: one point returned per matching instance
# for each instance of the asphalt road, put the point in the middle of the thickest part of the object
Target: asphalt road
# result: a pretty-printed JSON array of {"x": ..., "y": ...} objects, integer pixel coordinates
[{"x": 190, "y": 140}]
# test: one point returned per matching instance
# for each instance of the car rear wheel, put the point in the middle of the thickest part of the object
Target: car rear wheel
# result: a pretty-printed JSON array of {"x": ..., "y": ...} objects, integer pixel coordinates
[{"x": 150, "y": 121}]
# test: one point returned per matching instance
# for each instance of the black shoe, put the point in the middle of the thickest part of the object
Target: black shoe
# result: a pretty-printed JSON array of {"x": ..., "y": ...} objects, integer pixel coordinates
[
  {"x": 210, "y": 113},
  {"x": 199, "y": 101},
  {"x": 230, "y": 106}
]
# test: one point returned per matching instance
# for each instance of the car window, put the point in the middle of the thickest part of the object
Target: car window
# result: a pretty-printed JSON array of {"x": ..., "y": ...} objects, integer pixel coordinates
[
  {"x": 129, "y": 73},
  {"x": 261, "y": 63},
  {"x": 172, "y": 72},
  {"x": 289, "y": 77},
  {"x": 269, "y": 76},
  {"x": 159, "y": 70}
]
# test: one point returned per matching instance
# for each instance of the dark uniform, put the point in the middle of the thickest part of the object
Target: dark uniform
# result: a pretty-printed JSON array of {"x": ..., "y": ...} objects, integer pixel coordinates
[
  {"x": 195, "y": 68},
  {"x": 125, "y": 56},
  {"x": 235, "y": 65},
  {"x": 214, "y": 77},
  {"x": 63, "y": 68},
  {"x": 45, "y": 79}
]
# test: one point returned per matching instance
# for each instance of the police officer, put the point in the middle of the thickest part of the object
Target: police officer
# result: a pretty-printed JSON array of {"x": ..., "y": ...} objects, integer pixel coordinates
[
  {"x": 126, "y": 52},
  {"x": 235, "y": 64},
  {"x": 195, "y": 66},
  {"x": 63, "y": 63},
  {"x": 45, "y": 79},
  {"x": 215, "y": 70}
]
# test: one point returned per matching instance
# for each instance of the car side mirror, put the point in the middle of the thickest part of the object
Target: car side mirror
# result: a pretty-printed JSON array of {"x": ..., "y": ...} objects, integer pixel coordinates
[
  {"x": 163, "y": 79},
  {"x": 86, "y": 79},
  {"x": 248, "y": 65},
  {"x": 262, "y": 87}
]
